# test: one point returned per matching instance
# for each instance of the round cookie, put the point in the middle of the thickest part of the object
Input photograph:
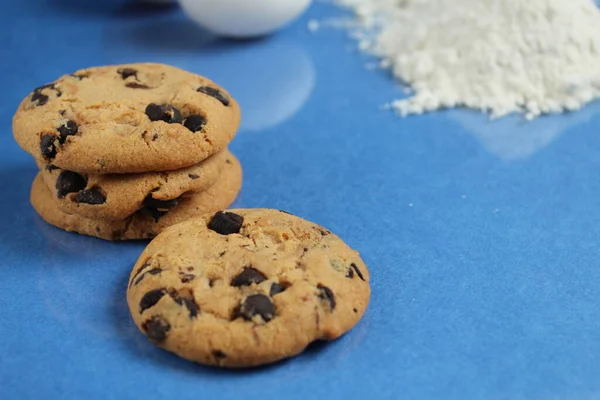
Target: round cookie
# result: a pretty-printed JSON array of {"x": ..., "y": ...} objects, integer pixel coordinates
[
  {"x": 126, "y": 119},
  {"x": 246, "y": 287},
  {"x": 147, "y": 222},
  {"x": 117, "y": 196}
]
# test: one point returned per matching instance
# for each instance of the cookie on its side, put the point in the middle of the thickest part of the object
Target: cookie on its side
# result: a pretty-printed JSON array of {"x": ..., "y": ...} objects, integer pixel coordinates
[
  {"x": 126, "y": 119},
  {"x": 246, "y": 287},
  {"x": 116, "y": 196},
  {"x": 149, "y": 221}
]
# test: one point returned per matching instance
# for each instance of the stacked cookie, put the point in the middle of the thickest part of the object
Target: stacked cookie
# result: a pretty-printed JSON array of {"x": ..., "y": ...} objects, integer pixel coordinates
[{"x": 125, "y": 151}]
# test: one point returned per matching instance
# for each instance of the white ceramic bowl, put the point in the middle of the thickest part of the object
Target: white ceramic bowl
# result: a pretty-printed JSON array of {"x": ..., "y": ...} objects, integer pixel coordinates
[{"x": 244, "y": 18}]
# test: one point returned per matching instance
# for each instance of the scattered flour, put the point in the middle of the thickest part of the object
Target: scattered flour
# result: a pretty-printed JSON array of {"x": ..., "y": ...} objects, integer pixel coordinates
[{"x": 496, "y": 56}]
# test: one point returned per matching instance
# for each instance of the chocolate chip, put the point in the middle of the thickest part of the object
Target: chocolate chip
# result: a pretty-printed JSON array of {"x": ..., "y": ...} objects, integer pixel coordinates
[
  {"x": 187, "y": 278},
  {"x": 355, "y": 268},
  {"x": 48, "y": 146},
  {"x": 350, "y": 273},
  {"x": 193, "y": 176},
  {"x": 285, "y": 212},
  {"x": 247, "y": 277},
  {"x": 154, "y": 271},
  {"x": 194, "y": 122},
  {"x": 46, "y": 86},
  {"x": 276, "y": 288},
  {"x": 151, "y": 298},
  {"x": 257, "y": 304},
  {"x": 355, "y": 310},
  {"x": 156, "y": 328},
  {"x": 91, "y": 196},
  {"x": 226, "y": 223},
  {"x": 228, "y": 161},
  {"x": 188, "y": 302},
  {"x": 136, "y": 85},
  {"x": 139, "y": 271},
  {"x": 69, "y": 182},
  {"x": 324, "y": 232},
  {"x": 216, "y": 93},
  {"x": 218, "y": 354},
  {"x": 221, "y": 254},
  {"x": 326, "y": 294},
  {"x": 69, "y": 128},
  {"x": 158, "y": 208},
  {"x": 50, "y": 167},
  {"x": 163, "y": 112},
  {"x": 80, "y": 77},
  {"x": 39, "y": 98},
  {"x": 191, "y": 306},
  {"x": 155, "y": 137},
  {"x": 127, "y": 72}
]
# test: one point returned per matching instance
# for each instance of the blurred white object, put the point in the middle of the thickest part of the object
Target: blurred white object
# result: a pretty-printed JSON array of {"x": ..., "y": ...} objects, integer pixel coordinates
[
  {"x": 158, "y": 1},
  {"x": 243, "y": 18}
]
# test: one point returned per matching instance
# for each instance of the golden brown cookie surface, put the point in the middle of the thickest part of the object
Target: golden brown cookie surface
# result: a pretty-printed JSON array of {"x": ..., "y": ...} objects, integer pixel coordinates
[
  {"x": 126, "y": 119},
  {"x": 246, "y": 287}
]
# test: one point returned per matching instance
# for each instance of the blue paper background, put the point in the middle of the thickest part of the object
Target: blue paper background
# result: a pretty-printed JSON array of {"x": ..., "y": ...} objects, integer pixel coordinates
[{"x": 482, "y": 238}]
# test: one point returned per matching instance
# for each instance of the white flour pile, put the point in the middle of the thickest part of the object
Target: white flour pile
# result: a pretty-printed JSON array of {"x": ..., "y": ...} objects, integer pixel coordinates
[{"x": 497, "y": 56}]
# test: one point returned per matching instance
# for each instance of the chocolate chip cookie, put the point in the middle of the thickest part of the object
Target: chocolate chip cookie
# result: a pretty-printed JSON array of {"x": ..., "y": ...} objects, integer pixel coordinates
[
  {"x": 116, "y": 196},
  {"x": 152, "y": 218},
  {"x": 126, "y": 119},
  {"x": 246, "y": 287}
]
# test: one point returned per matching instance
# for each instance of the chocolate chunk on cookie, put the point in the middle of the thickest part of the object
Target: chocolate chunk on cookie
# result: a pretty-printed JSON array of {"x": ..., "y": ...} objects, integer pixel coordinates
[
  {"x": 156, "y": 328},
  {"x": 163, "y": 112},
  {"x": 327, "y": 294},
  {"x": 126, "y": 119},
  {"x": 48, "y": 146},
  {"x": 247, "y": 277},
  {"x": 127, "y": 72},
  {"x": 257, "y": 305},
  {"x": 226, "y": 223},
  {"x": 276, "y": 288},
  {"x": 69, "y": 128},
  {"x": 262, "y": 288},
  {"x": 69, "y": 182},
  {"x": 194, "y": 122},
  {"x": 216, "y": 93},
  {"x": 158, "y": 208},
  {"x": 42, "y": 95},
  {"x": 93, "y": 196},
  {"x": 151, "y": 298}
]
